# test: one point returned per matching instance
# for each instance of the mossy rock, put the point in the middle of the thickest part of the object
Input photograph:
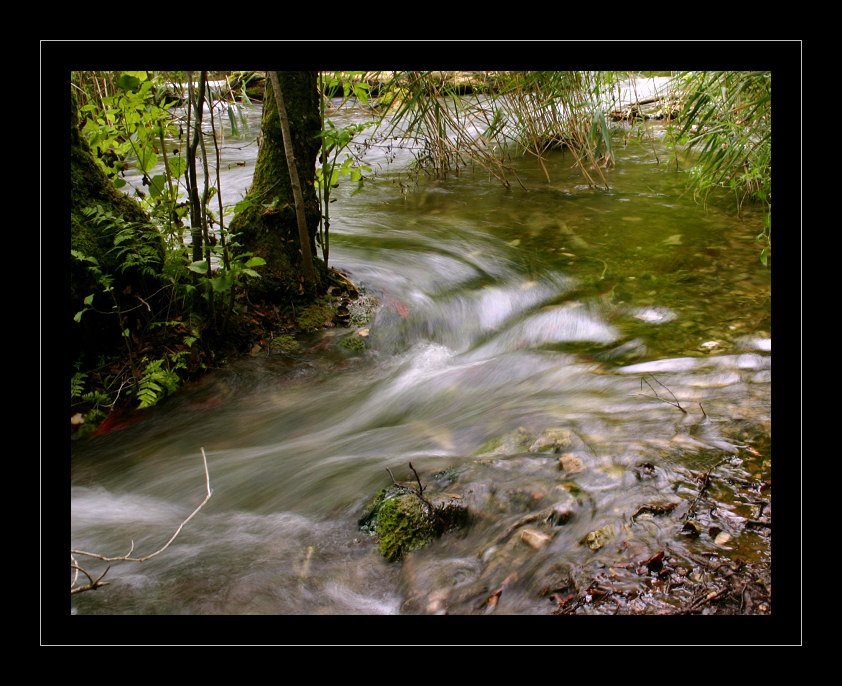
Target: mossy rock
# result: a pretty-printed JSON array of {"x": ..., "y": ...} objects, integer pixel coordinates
[
  {"x": 314, "y": 317},
  {"x": 511, "y": 443},
  {"x": 598, "y": 538},
  {"x": 403, "y": 522},
  {"x": 354, "y": 343},
  {"x": 283, "y": 344}
]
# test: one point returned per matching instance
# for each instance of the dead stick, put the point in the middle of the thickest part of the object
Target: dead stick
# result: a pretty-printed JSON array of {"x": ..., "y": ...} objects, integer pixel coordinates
[{"x": 127, "y": 558}]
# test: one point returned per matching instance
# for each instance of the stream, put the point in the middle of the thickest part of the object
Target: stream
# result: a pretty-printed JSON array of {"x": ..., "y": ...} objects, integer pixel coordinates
[{"x": 560, "y": 359}]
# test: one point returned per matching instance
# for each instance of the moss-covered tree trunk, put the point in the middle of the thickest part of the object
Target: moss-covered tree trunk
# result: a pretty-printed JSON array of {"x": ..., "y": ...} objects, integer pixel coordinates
[
  {"x": 96, "y": 333},
  {"x": 272, "y": 232}
]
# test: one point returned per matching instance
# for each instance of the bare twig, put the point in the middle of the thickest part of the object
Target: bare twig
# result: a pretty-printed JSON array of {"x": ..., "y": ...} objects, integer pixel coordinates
[
  {"x": 95, "y": 583},
  {"x": 419, "y": 493},
  {"x": 417, "y": 478},
  {"x": 657, "y": 397}
]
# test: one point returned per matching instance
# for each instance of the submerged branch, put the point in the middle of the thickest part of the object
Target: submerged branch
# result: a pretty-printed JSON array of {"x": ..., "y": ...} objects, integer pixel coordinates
[
  {"x": 704, "y": 481},
  {"x": 674, "y": 403}
]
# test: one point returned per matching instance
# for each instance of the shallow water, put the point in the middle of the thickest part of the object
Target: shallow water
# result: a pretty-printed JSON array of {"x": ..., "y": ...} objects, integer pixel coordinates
[{"x": 504, "y": 314}]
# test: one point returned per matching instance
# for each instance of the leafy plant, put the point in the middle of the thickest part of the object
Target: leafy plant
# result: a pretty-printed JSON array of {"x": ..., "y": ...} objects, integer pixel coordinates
[
  {"x": 527, "y": 112},
  {"x": 223, "y": 281},
  {"x": 727, "y": 121},
  {"x": 334, "y": 142},
  {"x": 131, "y": 127}
]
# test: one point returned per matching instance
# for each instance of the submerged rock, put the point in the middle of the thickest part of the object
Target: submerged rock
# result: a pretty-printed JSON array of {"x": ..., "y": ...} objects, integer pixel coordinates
[
  {"x": 598, "y": 538},
  {"x": 552, "y": 440}
]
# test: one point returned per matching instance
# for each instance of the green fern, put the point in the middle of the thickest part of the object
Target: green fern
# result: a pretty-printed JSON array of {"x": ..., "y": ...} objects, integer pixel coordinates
[
  {"x": 77, "y": 385},
  {"x": 155, "y": 384}
]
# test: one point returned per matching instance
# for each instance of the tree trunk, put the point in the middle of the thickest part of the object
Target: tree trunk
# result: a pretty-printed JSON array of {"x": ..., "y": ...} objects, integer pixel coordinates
[
  {"x": 197, "y": 105},
  {"x": 295, "y": 182},
  {"x": 268, "y": 227}
]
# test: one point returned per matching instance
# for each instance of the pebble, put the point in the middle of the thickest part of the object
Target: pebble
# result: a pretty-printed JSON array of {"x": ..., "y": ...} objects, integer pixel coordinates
[{"x": 535, "y": 538}]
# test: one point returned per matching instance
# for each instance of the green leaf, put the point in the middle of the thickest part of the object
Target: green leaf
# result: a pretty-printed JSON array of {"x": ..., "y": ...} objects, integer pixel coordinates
[
  {"x": 139, "y": 75},
  {"x": 82, "y": 257},
  {"x": 200, "y": 267},
  {"x": 223, "y": 283},
  {"x": 157, "y": 184},
  {"x": 127, "y": 82},
  {"x": 177, "y": 166},
  {"x": 361, "y": 92},
  {"x": 255, "y": 262},
  {"x": 146, "y": 159}
]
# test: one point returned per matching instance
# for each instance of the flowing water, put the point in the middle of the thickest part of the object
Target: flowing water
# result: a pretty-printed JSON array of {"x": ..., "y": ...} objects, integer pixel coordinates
[{"x": 528, "y": 355}]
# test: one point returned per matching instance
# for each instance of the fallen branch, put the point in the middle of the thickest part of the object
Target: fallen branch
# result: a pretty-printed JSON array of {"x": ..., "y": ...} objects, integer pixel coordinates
[{"x": 96, "y": 583}]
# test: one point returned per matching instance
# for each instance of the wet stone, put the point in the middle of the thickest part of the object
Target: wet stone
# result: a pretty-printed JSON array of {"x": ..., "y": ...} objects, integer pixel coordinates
[
  {"x": 536, "y": 539},
  {"x": 598, "y": 538},
  {"x": 571, "y": 464},
  {"x": 553, "y": 440}
]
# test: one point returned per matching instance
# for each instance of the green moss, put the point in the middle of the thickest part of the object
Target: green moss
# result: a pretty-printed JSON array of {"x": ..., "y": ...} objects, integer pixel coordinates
[
  {"x": 283, "y": 344},
  {"x": 402, "y": 527},
  {"x": 313, "y": 317},
  {"x": 355, "y": 343},
  {"x": 403, "y": 523}
]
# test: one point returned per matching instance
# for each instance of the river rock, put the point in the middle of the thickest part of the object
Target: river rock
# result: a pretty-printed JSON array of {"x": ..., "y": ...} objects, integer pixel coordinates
[
  {"x": 571, "y": 464},
  {"x": 403, "y": 522},
  {"x": 552, "y": 440},
  {"x": 535, "y": 538},
  {"x": 599, "y": 537}
]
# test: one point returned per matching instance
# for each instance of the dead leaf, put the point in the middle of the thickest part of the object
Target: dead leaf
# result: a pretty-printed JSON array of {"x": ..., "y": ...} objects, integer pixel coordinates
[
  {"x": 654, "y": 563},
  {"x": 491, "y": 603},
  {"x": 722, "y": 538}
]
